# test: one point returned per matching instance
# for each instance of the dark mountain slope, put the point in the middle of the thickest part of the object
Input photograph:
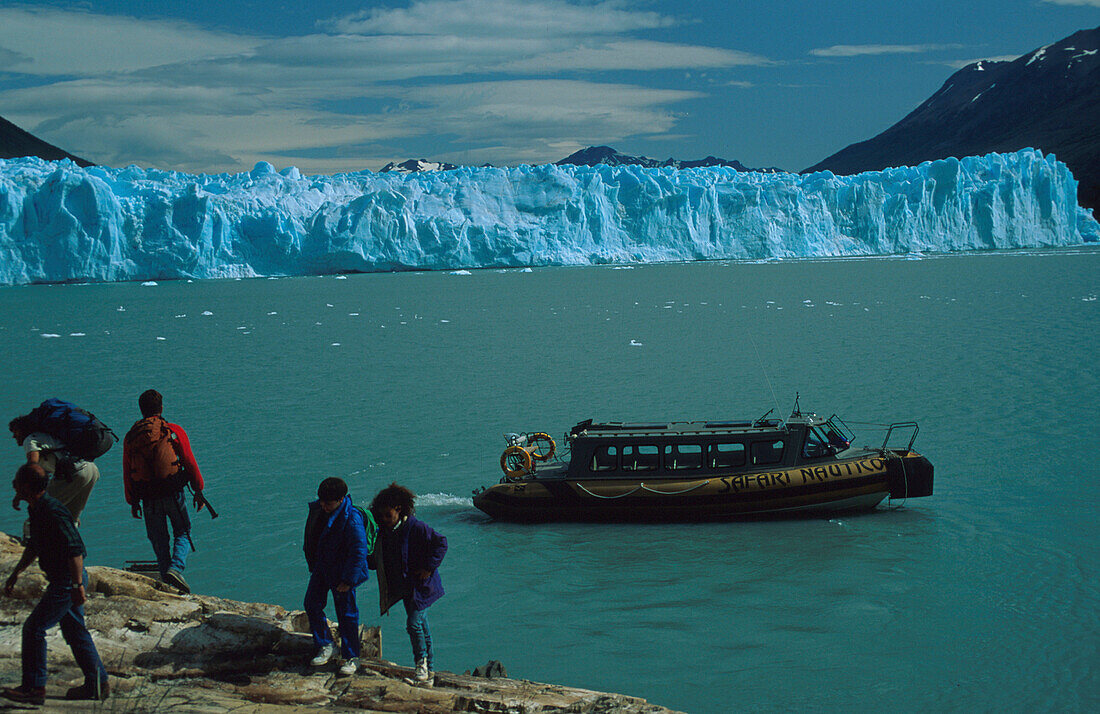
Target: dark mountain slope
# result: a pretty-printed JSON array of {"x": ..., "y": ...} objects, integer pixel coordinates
[
  {"x": 1048, "y": 99},
  {"x": 15, "y": 143}
]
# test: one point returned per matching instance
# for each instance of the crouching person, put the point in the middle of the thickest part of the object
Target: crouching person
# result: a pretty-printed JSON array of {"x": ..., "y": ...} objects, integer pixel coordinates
[
  {"x": 407, "y": 555},
  {"x": 336, "y": 552},
  {"x": 57, "y": 545}
]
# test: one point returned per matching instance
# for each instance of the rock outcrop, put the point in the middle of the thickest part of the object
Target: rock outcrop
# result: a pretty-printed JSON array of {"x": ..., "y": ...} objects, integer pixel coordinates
[{"x": 198, "y": 653}]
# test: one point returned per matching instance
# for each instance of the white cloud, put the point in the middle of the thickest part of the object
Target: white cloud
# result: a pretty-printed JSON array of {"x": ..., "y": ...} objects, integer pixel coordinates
[
  {"x": 1088, "y": 3},
  {"x": 174, "y": 95},
  {"x": 67, "y": 42},
  {"x": 863, "y": 50},
  {"x": 959, "y": 64},
  {"x": 635, "y": 55},
  {"x": 501, "y": 18}
]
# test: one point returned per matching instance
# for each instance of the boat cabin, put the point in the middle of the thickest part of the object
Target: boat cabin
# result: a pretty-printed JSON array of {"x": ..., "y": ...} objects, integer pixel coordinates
[{"x": 683, "y": 450}]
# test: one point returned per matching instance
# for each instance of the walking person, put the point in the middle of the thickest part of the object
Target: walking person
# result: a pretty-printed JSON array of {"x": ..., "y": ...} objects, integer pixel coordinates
[
  {"x": 407, "y": 555},
  {"x": 56, "y": 543},
  {"x": 157, "y": 464},
  {"x": 45, "y": 435},
  {"x": 336, "y": 548}
]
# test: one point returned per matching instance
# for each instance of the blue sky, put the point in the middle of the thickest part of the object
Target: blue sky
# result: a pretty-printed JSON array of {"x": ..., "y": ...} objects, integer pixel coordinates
[{"x": 330, "y": 85}]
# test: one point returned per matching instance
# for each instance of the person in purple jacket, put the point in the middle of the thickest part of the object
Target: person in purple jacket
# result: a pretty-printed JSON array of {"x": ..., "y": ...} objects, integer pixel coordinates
[
  {"x": 336, "y": 552},
  {"x": 407, "y": 554}
]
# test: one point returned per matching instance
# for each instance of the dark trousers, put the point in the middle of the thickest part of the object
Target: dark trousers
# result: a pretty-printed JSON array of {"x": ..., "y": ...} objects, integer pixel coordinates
[
  {"x": 56, "y": 607},
  {"x": 171, "y": 510},
  {"x": 347, "y": 615}
]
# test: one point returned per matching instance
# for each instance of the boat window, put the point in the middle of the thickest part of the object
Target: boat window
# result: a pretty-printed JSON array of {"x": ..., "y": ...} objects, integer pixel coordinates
[
  {"x": 683, "y": 456},
  {"x": 726, "y": 456},
  {"x": 640, "y": 457},
  {"x": 817, "y": 445},
  {"x": 767, "y": 452},
  {"x": 605, "y": 458},
  {"x": 836, "y": 435}
]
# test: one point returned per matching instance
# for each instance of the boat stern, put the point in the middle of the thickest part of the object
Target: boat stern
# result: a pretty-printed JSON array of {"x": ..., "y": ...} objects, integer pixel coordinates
[{"x": 909, "y": 475}]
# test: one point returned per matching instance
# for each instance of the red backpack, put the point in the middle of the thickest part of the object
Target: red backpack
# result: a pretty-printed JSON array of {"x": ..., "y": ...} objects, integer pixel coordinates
[{"x": 155, "y": 459}]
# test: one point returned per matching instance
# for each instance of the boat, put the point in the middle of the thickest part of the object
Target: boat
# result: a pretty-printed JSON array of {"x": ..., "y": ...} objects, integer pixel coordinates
[{"x": 704, "y": 470}]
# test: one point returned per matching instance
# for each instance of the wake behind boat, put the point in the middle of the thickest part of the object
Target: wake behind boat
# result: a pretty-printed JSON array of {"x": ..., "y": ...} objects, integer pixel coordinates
[{"x": 704, "y": 470}]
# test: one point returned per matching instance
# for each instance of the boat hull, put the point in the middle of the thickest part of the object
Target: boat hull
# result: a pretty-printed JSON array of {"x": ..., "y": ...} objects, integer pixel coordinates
[{"x": 845, "y": 485}]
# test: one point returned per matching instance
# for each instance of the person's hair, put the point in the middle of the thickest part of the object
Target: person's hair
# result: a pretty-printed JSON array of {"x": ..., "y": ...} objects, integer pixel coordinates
[
  {"x": 394, "y": 496},
  {"x": 33, "y": 477},
  {"x": 332, "y": 489},
  {"x": 22, "y": 424},
  {"x": 150, "y": 403}
]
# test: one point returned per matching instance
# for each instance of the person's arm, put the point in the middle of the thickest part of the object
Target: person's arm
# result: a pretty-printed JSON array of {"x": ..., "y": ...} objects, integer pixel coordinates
[
  {"x": 128, "y": 481},
  {"x": 187, "y": 459},
  {"x": 76, "y": 572},
  {"x": 25, "y": 560},
  {"x": 355, "y": 566},
  {"x": 435, "y": 546}
]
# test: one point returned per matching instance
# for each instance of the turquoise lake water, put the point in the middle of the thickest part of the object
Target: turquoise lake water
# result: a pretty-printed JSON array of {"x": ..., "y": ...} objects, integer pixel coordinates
[{"x": 982, "y": 597}]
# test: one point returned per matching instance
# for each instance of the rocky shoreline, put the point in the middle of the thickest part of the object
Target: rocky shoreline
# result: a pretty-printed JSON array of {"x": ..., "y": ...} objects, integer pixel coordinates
[{"x": 198, "y": 653}]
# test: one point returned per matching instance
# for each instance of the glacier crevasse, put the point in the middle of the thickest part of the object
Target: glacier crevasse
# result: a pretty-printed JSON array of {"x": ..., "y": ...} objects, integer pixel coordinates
[{"x": 60, "y": 222}]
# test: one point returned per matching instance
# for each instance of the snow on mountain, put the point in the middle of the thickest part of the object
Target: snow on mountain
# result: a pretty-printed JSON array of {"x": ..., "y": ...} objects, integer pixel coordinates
[
  {"x": 414, "y": 165},
  {"x": 60, "y": 222}
]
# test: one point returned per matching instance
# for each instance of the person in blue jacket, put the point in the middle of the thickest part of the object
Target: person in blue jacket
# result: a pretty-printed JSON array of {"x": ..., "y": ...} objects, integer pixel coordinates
[
  {"x": 407, "y": 554},
  {"x": 336, "y": 552}
]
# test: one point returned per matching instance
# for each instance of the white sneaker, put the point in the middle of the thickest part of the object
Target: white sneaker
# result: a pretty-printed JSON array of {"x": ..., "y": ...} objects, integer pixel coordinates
[
  {"x": 423, "y": 674},
  {"x": 324, "y": 656},
  {"x": 349, "y": 667}
]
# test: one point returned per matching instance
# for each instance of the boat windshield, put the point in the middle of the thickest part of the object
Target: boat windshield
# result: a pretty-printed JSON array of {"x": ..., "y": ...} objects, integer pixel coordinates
[{"x": 828, "y": 438}]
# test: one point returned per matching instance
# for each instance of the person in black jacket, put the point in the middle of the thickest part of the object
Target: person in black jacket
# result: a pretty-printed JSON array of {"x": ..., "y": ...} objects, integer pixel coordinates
[{"x": 56, "y": 543}]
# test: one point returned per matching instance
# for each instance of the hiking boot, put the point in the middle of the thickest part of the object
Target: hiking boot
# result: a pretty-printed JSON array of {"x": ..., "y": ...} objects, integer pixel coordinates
[
  {"x": 175, "y": 578},
  {"x": 349, "y": 667},
  {"x": 96, "y": 691},
  {"x": 25, "y": 694},
  {"x": 324, "y": 656}
]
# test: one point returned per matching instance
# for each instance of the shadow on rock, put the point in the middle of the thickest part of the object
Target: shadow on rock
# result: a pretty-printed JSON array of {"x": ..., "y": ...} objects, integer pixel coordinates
[{"x": 227, "y": 643}]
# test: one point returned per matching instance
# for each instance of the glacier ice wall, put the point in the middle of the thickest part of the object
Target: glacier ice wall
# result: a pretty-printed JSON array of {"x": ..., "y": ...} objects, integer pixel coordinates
[{"x": 59, "y": 222}]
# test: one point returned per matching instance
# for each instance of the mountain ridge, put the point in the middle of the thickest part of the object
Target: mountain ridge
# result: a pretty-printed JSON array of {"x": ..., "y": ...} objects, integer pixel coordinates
[
  {"x": 16, "y": 143},
  {"x": 1048, "y": 99}
]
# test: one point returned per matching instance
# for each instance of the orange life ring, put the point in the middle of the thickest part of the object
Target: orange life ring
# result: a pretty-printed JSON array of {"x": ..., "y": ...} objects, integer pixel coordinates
[
  {"x": 516, "y": 462},
  {"x": 534, "y": 441}
]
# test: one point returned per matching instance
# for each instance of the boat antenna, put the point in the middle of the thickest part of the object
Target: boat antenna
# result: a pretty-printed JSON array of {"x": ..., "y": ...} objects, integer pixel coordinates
[
  {"x": 796, "y": 411},
  {"x": 774, "y": 399}
]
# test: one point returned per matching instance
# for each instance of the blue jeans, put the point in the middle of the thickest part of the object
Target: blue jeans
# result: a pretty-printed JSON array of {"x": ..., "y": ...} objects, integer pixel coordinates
[
  {"x": 419, "y": 633},
  {"x": 347, "y": 616},
  {"x": 56, "y": 606},
  {"x": 159, "y": 512}
]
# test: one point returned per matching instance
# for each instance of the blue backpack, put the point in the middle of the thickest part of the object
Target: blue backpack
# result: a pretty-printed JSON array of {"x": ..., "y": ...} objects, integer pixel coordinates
[{"x": 85, "y": 436}]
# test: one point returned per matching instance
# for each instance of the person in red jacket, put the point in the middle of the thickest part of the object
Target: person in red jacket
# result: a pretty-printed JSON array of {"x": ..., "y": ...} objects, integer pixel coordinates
[{"x": 157, "y": 464}]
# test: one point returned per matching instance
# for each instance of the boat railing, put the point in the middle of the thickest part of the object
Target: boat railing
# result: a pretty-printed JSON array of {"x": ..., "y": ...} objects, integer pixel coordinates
[{"x": 900, "y": 426}]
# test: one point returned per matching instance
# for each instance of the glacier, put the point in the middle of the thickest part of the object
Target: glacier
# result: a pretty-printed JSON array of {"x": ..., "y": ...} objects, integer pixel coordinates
[{"x": 63, "y": 223}]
